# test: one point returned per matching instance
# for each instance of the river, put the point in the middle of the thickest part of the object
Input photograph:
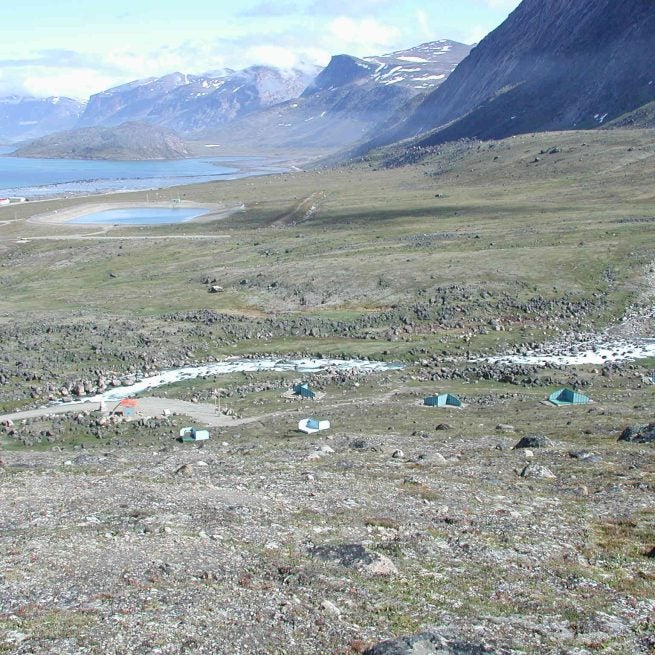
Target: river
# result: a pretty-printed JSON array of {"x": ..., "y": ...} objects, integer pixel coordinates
[{"x": 242, "y": 365}]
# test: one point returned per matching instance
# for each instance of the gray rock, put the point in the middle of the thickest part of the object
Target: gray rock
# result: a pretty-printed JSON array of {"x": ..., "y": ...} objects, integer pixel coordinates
[
  {"x": 427, "y": 459},
  {"x": 537, "y": 471},
  {"x": 585, "y": 456},
  {"x": 427, "y": 643},
  {"x": 504, "y": 427},
  {"x": 534, "y": 441},
  {"x": 355, "y": 556},
  {"x": 639, "y": 434}
]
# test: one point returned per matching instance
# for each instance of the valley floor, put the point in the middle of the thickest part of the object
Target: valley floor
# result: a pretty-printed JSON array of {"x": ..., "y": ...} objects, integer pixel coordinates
[{"x": 400, "y": 519}]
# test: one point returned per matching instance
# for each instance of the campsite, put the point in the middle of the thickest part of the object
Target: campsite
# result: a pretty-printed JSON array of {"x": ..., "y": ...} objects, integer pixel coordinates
[{"x": 262, "y": 533}]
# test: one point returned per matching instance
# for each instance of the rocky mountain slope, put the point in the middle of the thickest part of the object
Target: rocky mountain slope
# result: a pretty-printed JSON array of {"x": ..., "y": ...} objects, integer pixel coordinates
[
  {"x": 553, "y": 64},
  {"x": 348, "y": 100},
  {"x": 28, "y": 118},
  {"x": 187, "y": 103},
  {"x": 130, "y": 141},
  {"x": 260, "y": 106}
]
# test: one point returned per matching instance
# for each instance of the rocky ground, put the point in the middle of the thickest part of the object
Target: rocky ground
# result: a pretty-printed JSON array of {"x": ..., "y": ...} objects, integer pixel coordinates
[
  {"x": 265, "y": 541},
  {"x": 403, "y": 530}
]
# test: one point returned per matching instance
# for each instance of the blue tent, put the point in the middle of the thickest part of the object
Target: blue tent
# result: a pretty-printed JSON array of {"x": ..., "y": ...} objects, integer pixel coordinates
[
  {"x": 442, "y": 400},
  {"x": 568, "y": 397}
]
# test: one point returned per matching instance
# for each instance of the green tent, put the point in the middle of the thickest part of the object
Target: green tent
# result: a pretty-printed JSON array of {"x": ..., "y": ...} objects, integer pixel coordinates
[
  {"x": 568, "y": 397},
  {"x": 304, "y": 391},
  {"x": 442, "y": 400}
]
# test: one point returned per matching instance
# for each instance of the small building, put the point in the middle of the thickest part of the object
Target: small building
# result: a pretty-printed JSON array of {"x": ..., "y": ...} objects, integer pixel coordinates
[
  {"x": 191, "y": 434},
  {"x": 311, "y": 425},
  {"x": 304, "y": 391},
  {"x": 126, "y": 407},
  {"x": 442, "y": 400},
  {"x": 568, "y": 397}
]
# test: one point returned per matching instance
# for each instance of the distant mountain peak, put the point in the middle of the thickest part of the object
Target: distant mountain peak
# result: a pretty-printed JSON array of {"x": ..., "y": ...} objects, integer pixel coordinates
[{"x": 25, "y": 117}]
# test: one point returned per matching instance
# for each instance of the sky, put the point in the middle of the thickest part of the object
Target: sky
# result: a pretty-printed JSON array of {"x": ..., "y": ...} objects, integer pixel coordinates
[{"x": 76, "y": 48}]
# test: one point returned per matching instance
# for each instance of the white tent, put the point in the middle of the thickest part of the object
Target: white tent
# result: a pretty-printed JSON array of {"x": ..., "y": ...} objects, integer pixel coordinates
[{"x": 310, "y": 425}]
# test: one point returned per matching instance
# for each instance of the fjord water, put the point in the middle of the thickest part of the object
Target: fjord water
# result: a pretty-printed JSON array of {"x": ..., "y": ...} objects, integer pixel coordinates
[{"x": 35, "y": 178}]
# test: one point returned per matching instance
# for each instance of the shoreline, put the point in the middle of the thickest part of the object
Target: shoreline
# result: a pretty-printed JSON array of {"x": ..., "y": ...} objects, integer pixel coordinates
[{"x": 259, "y": 166}]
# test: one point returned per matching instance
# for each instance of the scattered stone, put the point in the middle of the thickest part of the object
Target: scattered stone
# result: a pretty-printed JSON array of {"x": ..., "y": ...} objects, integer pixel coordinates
[
  {"x": 537, "y": 471},
  {"x": 534, "y": 441},
  {"x": 443, "y": 426},
  {"x": 398, "y": 454},
  {"x": 651, "y": 553},
  {"x": 432, "y": 458},
  {"x": 330, "y": 608},
  {"x": 585, "y": 456},
  {"x": 504, "y": 427},
  {"x": 358, "y": 444},
  {"x": 427, "y": 643},
  {"x": 185, "y": 469}
]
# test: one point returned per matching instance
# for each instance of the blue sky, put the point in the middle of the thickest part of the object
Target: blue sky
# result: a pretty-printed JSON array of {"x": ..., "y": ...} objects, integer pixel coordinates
[{"x": 77, "y": 47}]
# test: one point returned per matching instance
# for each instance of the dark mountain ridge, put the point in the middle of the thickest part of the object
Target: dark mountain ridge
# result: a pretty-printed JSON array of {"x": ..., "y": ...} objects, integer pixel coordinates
[{"x": 552, "y": 65}]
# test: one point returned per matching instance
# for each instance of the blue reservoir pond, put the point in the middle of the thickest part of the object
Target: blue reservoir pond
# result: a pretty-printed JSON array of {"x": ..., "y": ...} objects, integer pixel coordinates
[{"x": 141, "y": 216}]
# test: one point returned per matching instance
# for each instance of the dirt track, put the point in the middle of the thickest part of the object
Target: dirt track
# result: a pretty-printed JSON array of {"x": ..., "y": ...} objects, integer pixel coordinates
[{"x": 204, "y": 413}]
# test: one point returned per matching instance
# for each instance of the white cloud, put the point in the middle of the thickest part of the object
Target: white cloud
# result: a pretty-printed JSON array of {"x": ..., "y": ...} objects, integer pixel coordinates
[
  {"x": 424, "y": 24},
  {"x": 80, "y": 83},
  {"x": 475, "y": 34},
  {"x": 273, "y": 54},
  {"x": 502, "y": 4},
  {"x": 361, "y": 37}
]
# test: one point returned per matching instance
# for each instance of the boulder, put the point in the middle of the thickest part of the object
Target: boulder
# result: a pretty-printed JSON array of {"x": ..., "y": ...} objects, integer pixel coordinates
[
  {"x": 534, "y": 441},
  {"x": 355, "y": 556},
  {"x": 639, "y": 434}
]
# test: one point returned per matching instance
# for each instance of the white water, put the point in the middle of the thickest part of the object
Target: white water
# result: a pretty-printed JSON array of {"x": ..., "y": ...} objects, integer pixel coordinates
[
  {"x": 238, "y": 366},
  {"x": 591, "y": 351}
]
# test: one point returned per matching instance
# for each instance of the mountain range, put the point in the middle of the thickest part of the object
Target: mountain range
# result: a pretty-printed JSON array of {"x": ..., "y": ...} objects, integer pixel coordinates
[
  {"x": 551, "y": 65},
  {"x": 259, "y": 104}
]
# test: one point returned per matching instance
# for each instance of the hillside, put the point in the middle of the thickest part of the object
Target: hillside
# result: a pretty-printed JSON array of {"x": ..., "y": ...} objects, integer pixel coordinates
[
  {"x": 130, "y": 141},
  {"x": 552, "y": 65},
  {"x": 347, "y": 101}
]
